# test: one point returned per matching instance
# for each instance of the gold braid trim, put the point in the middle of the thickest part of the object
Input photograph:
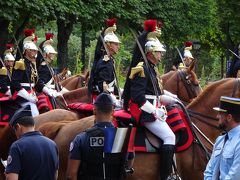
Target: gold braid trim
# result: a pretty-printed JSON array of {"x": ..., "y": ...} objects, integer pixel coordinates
[{"x": 137, "y": 70}]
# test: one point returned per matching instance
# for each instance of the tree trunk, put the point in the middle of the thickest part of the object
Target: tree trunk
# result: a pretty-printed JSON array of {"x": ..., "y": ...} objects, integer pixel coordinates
[
  {"x": 64, "y": 32},
  {"x": 3, "y": 34},
  {"x": 83, "y": 57}
]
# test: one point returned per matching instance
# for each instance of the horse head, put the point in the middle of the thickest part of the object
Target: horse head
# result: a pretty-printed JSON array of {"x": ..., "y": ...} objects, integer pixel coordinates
[{"x": 184, "y": 83}]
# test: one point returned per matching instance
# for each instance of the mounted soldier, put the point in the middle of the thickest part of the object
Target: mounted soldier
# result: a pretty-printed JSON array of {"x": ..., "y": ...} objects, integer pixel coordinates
[
  {"x": 6, "y": 71},
  {"x": 234, "y": 68},
  {"x": 187, "y": 56},
  {"x": 103, "y": 75},
  {"x": 145, "y": 96},
  {"x": 25, "y": 76}
]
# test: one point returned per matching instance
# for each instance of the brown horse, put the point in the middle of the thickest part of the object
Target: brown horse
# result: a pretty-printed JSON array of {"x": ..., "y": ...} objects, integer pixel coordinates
[
  {"x": 76, "y": 82},
  {"x": 190, "y": 162}
]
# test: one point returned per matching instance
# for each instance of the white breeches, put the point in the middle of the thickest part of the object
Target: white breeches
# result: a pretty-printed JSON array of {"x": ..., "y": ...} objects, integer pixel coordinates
[
  {"x": 161, "y": 130},
  {"x": 33, "y": 106}
]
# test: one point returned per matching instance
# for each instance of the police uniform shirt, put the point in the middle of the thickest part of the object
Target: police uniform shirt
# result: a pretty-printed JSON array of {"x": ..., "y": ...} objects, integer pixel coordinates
[
  {"x": 22, "y": 76},
  {"x": 77, "y": 147},
  {"x": 104, "y": 72},
  {"x": 229, "y": 157},
  {"x": 44, "y": 76},
  {"x": 33, "y": 156}
]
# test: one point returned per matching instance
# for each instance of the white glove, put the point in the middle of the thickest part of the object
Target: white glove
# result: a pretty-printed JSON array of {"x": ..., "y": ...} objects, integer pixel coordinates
[
  {"x": 161, "y": 113},
  {"x": 148, "y": 107},
  {"x": 29, "y": 97},
  {"x": 117, "y": 103},
  {"x": 64, "y": 90},
  {"x": 170, "y": 94},
  {"x": 8, "y": 93},
  {"x": 167, "y": 100},
  {"x": 50, "y": 92}
]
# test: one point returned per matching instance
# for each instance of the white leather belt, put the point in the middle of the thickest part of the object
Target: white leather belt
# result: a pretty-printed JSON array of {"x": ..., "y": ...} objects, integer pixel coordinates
[
  {"x": 27, "y": 84},
  {"x": 152, "y": 97}
]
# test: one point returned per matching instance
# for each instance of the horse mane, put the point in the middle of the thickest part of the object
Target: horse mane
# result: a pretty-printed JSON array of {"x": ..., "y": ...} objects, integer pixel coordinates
[
  {"x": 206, "y": 91},
  {"x": 194, "y": 77}
]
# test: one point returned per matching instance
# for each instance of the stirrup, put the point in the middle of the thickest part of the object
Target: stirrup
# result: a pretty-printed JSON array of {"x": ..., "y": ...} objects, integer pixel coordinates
[
  {"x": 129, "y": 170},
  {"x": 174, "y": 176}
]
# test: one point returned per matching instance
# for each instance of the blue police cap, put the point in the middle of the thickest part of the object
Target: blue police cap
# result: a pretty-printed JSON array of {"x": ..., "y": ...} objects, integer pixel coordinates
[
  {"x": 103, "y": 99},
  {"x": 229, "y": 105},
  {"x": 22, "y": 112}
]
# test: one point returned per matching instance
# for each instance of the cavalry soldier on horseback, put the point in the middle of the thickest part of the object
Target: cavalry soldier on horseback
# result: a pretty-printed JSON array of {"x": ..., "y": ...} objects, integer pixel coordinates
[
  {"x": 147, "y": 98},
  {"x": 103, "y": 75},
  {"x": 90, "y": 157},
  {"x": 234, "y": 69},
  {"x": 6, "y": 71},
  {"x": 25, "y": 76},
  {"x": 187, "y": 56}
]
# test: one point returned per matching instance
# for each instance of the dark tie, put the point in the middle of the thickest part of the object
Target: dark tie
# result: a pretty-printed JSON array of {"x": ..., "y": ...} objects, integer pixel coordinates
[{"x": 218, "y": 168}]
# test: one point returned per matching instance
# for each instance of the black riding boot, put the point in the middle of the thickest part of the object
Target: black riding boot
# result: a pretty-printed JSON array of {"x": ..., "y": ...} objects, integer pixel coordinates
[{"x": 167, "y": 152}]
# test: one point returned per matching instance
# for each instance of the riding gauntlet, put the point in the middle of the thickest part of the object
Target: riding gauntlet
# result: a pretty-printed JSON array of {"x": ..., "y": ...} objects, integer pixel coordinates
[{"x": 28, "y": 96}]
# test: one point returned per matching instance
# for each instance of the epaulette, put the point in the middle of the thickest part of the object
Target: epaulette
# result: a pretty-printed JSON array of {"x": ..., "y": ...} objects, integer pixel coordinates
[
  {"x": 43, "y": 63},
  {"x": 3, "y": 71},
  {"x": 137, "y": 70},
  {"x": 106, "y": 58},
  {"x": 20, "y": 65}
]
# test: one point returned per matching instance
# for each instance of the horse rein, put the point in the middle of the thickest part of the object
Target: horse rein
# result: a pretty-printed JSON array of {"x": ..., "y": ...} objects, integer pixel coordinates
[{"x": 188, "y": 84}]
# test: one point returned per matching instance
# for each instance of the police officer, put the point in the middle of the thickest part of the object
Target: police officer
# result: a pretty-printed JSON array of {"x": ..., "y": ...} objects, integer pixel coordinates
[
  {"x": 32, "y": 156},
  {"x": 148, "y": 99},
  {"x": 87, "y": 157},
  {"x": 103, "y": 74},
  {"x": 225, "y": 159},
  {"x": 25, "y": 77},
  {"x": 6, "y": 71}
]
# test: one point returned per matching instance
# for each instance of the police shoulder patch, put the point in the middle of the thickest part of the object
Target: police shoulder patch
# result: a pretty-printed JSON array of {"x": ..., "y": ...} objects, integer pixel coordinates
[
  {"x": 20, "y": 65},
  {"x": 9, "y": 159},
  {"x": 71, "y": 146},
  {"x": 138, "y": 70},
  {"x": 3, "y": 71},
  {"x": 106, "y": 58}
]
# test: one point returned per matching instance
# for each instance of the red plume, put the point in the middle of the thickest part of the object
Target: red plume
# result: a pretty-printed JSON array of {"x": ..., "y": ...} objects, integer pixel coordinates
[
  {"x": 188, "y": 43},
  {"x": 49, "y": 36},
  {"x": 35, "y": 39},
  {"x": 111, "y": 22},
  {"x": 9, "y": 46},
  {"x": 150, "y": 25},
  {"x": 28, "y": 32}
]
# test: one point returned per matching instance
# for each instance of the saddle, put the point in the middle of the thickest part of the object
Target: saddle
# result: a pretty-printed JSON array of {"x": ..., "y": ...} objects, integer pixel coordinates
[
  {"x": 7, "y": 108},
  {"x": 145, "y": 141},
  {"x": 83, "y": 108}
]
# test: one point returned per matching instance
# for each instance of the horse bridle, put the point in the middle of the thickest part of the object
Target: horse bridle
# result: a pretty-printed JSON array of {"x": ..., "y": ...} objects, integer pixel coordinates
[{"x": 188, "y": 84}]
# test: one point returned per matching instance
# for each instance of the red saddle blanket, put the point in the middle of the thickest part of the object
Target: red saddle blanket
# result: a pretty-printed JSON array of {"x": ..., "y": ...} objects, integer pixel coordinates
[
  {"x": 176, "y": 120},
  {"x": 7, "y": 109}
]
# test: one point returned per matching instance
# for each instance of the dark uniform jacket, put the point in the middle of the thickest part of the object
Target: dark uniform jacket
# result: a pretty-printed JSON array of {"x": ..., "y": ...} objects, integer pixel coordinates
[
  {"x": 4, "y": 81},
  {"x": 24, "y": 72},
  {"x": 142, "y": 85},
  {"x": 44, "y": 76},
  {"x": 104, "y": 72}
]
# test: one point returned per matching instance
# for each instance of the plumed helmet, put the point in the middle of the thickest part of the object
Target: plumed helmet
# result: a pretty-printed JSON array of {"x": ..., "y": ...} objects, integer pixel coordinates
[
  {"x": 110, "y": 36},
  {"x": 9, "y": 57},
  {"x": 154, "y": 45},
  {"x": 47, "y": 47},
  {"x": 103, "y": 99},
  {"x": 188, "y": 54},
  {"x": 20, "y": 113},
  {"x": 29, "y": 45}
]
